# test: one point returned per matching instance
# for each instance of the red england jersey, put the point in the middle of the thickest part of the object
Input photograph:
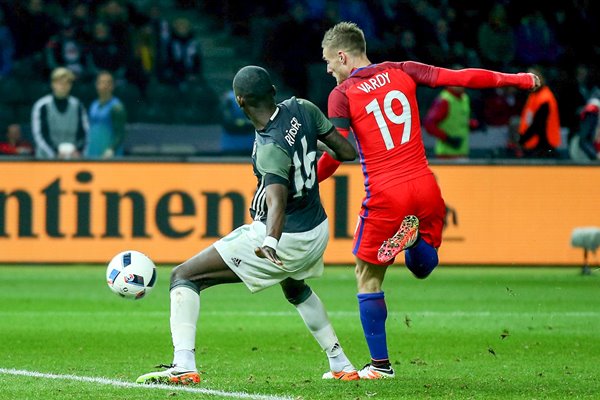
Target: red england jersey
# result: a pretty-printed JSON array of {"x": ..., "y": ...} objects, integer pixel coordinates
[{"x": 379, "y": 104}]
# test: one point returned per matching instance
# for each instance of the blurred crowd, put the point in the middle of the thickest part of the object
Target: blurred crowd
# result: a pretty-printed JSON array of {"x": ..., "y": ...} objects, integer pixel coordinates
[
  {"x": 560, "y": 40},
  {"x": 151, "y": 50},
  {"x": 89, "y": 36}
]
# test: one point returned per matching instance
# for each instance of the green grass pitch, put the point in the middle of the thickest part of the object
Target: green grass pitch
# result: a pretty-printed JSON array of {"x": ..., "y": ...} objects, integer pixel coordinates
[{"x": 463, "y": 333}]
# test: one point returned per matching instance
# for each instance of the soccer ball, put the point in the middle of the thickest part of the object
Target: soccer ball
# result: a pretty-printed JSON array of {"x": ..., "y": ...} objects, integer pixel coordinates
[{"x": 131, "y": 274}]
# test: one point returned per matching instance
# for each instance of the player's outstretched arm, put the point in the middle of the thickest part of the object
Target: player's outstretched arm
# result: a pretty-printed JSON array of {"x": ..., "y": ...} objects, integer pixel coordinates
[
  {"x": 327, "y": 165},
  {"x": 276, "y": 202},
  {"x": 476, "y": 78},
  {"x": 342, "y": 149}
]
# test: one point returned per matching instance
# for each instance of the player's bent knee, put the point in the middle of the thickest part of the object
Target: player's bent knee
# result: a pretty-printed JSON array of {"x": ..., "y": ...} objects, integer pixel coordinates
[
  {"x": 297, "y": 293},
  {"x": 421, "y": 263},
  {"x": 185, "y": 283},
  {"x": 423, "y": 270},
  {"x": 423, "y": 274},
  {"x": 178, "y": 274}
]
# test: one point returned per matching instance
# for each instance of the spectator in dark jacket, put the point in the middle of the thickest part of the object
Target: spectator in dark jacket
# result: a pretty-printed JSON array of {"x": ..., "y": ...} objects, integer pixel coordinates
[
  {"x": 184, "y": 54},
  {"x": 59, "y": 121}
]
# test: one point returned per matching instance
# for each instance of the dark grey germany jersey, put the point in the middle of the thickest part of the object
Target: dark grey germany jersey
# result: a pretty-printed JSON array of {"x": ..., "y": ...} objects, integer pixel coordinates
[{"x": 286, "y": 150}]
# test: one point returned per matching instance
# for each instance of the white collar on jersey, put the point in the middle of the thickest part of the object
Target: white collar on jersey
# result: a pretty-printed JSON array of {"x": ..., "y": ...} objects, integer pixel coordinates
[{"x": 274, "y": 114}]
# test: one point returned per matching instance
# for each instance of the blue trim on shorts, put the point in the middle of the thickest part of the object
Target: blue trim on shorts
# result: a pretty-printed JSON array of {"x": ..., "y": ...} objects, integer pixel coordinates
[{"x": 367, "y": 197}]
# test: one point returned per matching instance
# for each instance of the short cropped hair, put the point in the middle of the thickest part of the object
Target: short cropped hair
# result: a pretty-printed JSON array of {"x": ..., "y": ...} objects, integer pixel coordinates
[
  {"x": 345, "y": 36},
  {"x": 103, "y": 73},
  {"x": 254, "y": 84},
  {"x": 62, "y": 72}
]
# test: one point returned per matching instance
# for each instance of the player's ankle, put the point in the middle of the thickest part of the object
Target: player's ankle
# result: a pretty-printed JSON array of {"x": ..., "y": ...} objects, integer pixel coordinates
[
  {"x": 185, "y": 359},
  {"x": 383, "y": 364},
  {"x": 340, "y": 363}
]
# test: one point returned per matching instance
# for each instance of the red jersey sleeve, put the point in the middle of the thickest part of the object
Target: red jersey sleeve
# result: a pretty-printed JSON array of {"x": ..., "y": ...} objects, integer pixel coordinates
[
  {"x": 337, "y": 106},
  {"x": 474, "y": 78},
  {"x": 327, "y": 165}
]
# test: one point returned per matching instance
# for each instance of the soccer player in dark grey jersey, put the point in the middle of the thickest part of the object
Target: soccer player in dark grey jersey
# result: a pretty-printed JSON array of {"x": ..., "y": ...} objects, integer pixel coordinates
[
  {"x": 286, "y": 149},
  {"x": 285, "y": 242}
]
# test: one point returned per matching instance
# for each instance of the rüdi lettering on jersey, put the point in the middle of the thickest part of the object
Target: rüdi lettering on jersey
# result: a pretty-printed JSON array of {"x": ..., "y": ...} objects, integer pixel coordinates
[
  {"x": 375, "y": 82},
  {"x": 291, "y": 133}
]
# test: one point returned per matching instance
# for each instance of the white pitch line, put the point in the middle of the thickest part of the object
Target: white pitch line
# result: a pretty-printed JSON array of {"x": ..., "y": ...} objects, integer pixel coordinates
[
  {"x": 294, "y": 314},
  {"x": 424, "y": 313},
  {"x": 112, "y": 382}
]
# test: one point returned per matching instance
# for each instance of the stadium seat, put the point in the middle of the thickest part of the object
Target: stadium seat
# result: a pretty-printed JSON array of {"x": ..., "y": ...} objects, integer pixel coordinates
[
  {"x": 202, "y": 104},
  {"x": 320, "y": 84},
  {"x": 132, "y": 100},
  {"x": 129, "y": 94},
  {"x": 156, "y": 112},
  {"x": 587, "y": 238},
  {"x": 11, "y": 91},
  {"x": 172, "y": 140},
  {"x": 163, "y": 93},
  {"x": 34, "y": 90},
  {"x": 85, "y": 92},
  {"x": 23, "y": 113},
  {"x": 7, "y": 116}
]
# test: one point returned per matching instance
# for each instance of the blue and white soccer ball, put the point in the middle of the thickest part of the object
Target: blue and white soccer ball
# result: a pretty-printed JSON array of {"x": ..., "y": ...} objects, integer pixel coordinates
[{"x": 131, "y": 274}]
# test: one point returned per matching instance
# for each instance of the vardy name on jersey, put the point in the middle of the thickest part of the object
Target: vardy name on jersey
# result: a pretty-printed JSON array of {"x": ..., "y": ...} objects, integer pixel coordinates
[{"x": 375, "y": 82}]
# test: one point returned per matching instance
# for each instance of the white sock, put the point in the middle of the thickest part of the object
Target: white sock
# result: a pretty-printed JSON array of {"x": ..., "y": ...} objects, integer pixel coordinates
[
  {"x": 185, "y": 359},
  {"x": 315, "y": 317},
  {"x": 185, "y": 306}
]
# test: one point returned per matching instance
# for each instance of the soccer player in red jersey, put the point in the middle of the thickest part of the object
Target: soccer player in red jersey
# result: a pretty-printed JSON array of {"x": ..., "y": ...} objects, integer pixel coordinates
[{"x": 403, "y": 207}]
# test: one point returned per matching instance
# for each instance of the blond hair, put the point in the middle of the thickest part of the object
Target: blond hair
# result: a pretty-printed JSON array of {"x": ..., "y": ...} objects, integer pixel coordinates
[
  {"x": 62, "y": 72},
  {"x": 345, "y": 36}
]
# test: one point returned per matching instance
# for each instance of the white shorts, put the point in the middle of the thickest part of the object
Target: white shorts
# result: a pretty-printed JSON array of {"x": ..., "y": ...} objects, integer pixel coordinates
[{"x": 301, "y": 254}]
